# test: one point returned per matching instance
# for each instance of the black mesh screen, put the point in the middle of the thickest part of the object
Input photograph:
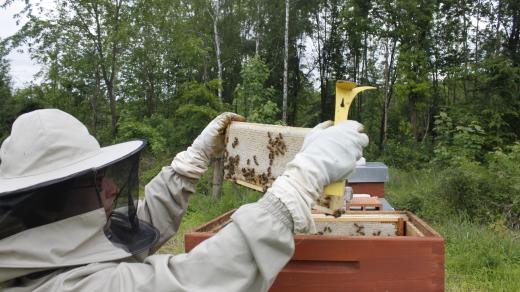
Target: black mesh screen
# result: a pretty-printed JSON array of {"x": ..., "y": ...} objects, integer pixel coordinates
[{"x": 29, "y": 209}]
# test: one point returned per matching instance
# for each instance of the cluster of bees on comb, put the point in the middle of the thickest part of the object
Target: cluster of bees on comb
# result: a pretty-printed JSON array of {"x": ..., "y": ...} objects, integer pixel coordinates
[{"x": 276, "y": 146}]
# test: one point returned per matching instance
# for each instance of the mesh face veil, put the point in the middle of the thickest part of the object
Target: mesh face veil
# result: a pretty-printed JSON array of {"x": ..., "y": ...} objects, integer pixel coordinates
[
  {"x": 113, "y": 187},
  {"x": 117, "y": 187}
]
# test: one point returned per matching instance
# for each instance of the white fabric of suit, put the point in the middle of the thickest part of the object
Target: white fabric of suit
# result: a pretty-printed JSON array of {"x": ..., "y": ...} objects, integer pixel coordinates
[{"x": 246, "y": 255}]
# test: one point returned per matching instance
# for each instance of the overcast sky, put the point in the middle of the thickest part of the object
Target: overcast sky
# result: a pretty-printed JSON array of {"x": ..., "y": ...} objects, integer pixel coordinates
[{"x": 22, "y": 67}]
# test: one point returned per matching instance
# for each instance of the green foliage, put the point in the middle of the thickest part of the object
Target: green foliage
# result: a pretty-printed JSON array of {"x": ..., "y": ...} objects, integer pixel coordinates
[
  {"x": 484, "y": 192},
  {"x": 6, "y": 99},
  {"x": 129, "y": 129},
  {"x": 405, "y": 153},
  {"x": 196, "y": 106},
  {"x": 455, "y": 141},
  {"x": 254, "y": 99}
]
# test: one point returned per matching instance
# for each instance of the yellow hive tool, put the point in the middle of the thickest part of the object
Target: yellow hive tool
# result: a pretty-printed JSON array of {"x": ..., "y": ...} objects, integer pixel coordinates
[{"x": 345, "y": 93}]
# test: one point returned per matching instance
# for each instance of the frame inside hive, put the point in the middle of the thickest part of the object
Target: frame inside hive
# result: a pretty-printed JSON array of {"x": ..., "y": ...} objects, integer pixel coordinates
[
  {"x": 379, "y": 224},
  {"x": 371, "y": 224}
]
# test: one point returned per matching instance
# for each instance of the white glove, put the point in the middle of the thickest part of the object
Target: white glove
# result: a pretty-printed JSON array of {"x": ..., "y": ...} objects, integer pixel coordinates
[
  {"x": 328, "y": 154},
  {"x": 209, "y": 144}
]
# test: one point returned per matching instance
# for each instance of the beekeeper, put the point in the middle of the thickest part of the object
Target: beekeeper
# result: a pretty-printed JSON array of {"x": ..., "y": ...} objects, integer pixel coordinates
[{"x": 70, "y": 220}]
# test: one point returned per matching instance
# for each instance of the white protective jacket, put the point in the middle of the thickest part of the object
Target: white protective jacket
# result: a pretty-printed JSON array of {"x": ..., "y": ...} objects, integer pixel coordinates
[{"x": 74, "y": 254}]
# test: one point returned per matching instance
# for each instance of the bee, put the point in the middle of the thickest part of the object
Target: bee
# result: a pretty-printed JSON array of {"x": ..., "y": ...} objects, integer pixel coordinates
[
  {"x": 235, "y": 142},
  {"x": 254, "y": 158},
  {"x": 359, "y": 228},
  {"x": 376, "y": 233},
  {"x": 248, "y": 162}
]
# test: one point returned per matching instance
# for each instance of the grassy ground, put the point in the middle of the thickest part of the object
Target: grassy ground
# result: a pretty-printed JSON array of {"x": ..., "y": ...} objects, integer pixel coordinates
[{"x": 479, "y": 257}]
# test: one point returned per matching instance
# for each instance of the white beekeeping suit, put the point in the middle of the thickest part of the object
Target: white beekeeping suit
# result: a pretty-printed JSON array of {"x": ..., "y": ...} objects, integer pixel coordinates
[{"x": 69, "y": 220}]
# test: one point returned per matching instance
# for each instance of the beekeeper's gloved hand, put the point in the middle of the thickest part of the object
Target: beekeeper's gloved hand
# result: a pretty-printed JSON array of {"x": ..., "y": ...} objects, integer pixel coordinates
[
  {"x": 209, "y": 144},
  {"x": 328, "y": 154}
]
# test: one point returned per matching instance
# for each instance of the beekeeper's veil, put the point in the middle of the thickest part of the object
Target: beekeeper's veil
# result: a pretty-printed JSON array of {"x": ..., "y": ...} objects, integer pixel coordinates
[{"x": 53, "y": 170}]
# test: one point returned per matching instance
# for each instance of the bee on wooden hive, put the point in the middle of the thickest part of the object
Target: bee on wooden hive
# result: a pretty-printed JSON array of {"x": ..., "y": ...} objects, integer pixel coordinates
[
  {"x": 248, "y": 162},
  {"x": 338, "y": 213},
  {"x": 254, "y": 158}
]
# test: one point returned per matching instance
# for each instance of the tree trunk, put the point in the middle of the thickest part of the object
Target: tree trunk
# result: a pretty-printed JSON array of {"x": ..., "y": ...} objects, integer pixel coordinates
[
  {"x": 285, "y": 62},
  {"x": 218, "y": 177},
  {"x": 218, "y": 163},
  {"x": 257, "y": 32},
  {"x": 94, "y": 101},
  {"x": 389, "y": 84},
  {"x": 217, "y": 46},
  {"x": 412, "y": 100}
]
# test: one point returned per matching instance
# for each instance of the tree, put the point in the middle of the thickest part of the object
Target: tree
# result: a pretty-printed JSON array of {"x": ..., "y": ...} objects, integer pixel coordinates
[
  {"x": 253, "y": 99},
  {"x": 285, "y": 62},
  {"x": 6, "y": 99}
]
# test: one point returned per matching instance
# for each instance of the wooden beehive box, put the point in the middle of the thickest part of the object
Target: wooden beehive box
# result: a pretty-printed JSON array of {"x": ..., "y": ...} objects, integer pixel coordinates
[{"x": 368, "y": 251}]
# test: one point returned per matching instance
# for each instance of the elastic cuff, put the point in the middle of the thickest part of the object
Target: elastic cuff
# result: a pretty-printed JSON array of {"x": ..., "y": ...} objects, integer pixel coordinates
[{"x": 273, "y": 205}]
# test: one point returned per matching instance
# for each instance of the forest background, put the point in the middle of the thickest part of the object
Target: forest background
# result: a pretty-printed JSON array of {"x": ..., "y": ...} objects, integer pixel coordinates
[{"x": 445, "y": 117}]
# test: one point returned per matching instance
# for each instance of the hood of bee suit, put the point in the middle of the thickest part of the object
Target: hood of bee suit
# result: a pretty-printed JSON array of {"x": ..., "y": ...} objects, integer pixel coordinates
[
  {"x": 47, "y": 148},
  {"x": 73, "y": 241}
]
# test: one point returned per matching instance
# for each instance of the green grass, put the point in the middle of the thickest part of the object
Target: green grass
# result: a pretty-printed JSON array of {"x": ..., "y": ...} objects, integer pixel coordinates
[{"x": 478, "y": 257}]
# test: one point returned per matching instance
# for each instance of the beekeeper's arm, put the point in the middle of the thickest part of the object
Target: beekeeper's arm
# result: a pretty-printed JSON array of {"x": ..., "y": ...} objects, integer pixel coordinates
[
  {"x": 166, "y": 195},
  {"x": 249, "y": 252}
]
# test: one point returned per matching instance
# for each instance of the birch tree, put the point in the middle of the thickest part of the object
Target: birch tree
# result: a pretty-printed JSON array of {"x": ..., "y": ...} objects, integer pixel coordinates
[
  {"x": 285, "y": 62},
  {"x": 216, "y": 17}
]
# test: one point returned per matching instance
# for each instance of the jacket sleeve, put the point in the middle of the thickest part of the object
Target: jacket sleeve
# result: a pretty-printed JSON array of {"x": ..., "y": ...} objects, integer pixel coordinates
[
  {"x": 165, "y": 202},
  {"x": 246, "y": 255}
]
